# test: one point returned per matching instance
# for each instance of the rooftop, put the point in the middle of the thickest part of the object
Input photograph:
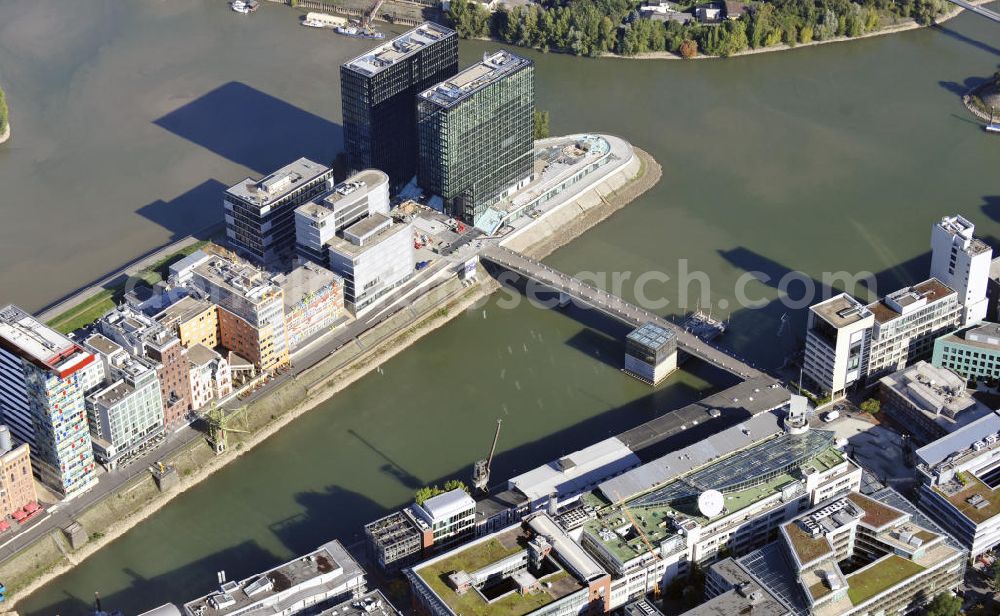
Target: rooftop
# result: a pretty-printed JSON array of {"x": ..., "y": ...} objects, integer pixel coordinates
[
  {"x": 450, "y": 503},
  {"x": 711, "y": 414},
  {"x": 938, "y": 393},
  {"x": 372, "y": 603},
  {"x": 346, "y": 247},
  {"x": 182, "y": 311},
  {"x": 976, "y": 500},
  {"x": 237, "y": 277},
  {"x": 963, "y": 441},
  {"x": 330, "y": 566},
  {"x": 113, "y": 394},
  {"x": 348, "y": 191},
  {"x": 983, "y": 336},
  {"x": 399, "y": 48},
  {"x": 651, "y": 335},
  {"x": 841, "y": 311},
  {"x": 199, "y": 354},
  {"x": 25, "y": 336},
  {"x": 906, "y": 299},
  {"x": 746, "y": 596},
  {"x": 876, "y": 514},
  {"x": 102, "y": 344},
  {"x": 879, "y": 577},
  {"x": 573, "y": 472},
  {"x": 662, "y": 507},
  {"x": 278, "y": 184},
  {"x": 474, "y": 556},
  {"x": 305, "y": 281},
  {"x": 492, "y": 69}
]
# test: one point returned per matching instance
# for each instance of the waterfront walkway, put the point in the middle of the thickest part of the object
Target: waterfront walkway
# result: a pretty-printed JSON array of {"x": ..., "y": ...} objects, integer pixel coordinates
[
  {"x": 978, "y": 10},
  {"x": 614, "y": 306}
]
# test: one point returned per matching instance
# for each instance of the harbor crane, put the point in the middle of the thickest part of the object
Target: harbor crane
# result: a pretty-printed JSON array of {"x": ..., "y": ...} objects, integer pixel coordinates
[
  {"x": 481, "y": 469},
  {"x": 221, "y": 424}
]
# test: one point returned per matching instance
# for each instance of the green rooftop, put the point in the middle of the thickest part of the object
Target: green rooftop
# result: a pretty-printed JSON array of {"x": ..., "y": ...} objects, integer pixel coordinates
[
  {"x": 476, "y": 556},
  {"x": 656, "y": 521},
  {"x": 879, "y": 577}
]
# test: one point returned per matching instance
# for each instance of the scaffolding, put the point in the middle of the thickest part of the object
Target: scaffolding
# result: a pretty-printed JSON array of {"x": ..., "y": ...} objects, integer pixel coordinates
[{"x": 395, "y": 540}]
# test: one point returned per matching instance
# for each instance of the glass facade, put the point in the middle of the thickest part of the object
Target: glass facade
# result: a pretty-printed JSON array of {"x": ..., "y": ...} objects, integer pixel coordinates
[
  {"x": 475, "y": 146},
  {"x": 379, "y": 107}
]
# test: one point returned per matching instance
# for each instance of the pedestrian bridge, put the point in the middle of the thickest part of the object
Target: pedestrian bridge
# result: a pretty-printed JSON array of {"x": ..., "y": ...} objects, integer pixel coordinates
[
  {"x": 978, "y": 10},
  {"x": 614, "y": 307}
]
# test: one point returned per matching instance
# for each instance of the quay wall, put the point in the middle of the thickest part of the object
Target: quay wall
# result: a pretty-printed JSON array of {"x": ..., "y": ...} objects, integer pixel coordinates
[{"x": 50, "y": 556}]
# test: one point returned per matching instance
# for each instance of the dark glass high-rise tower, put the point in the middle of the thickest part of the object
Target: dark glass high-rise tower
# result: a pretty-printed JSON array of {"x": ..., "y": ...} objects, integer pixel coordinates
[
  {"x": 476, "y": 134},
  {"x": 379, "y": 90}
]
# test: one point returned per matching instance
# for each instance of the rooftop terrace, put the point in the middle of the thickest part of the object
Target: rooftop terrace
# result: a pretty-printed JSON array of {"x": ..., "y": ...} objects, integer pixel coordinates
[
  {"x": 399, "y": 48},
  {"x": 25, "y": 336},
  {"x": 492, "y": 69}
]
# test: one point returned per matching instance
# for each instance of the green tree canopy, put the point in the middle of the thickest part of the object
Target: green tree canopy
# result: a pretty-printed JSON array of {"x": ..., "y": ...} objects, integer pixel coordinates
[
  {"x": 944, "y": 604},
  {"x": 871, "y": 406},
  {"x": 541, "y": 124}
]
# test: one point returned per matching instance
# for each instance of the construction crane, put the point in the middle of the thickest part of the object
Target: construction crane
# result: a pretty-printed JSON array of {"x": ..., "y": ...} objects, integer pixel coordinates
[
  {"x": 481, "y": 469},
  {"x": 221, "y": 424},
  {"x": 642, "y": 533}
]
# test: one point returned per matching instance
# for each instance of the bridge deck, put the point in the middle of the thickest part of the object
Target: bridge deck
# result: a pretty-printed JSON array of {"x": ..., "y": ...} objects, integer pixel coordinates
[
  {"x": 979, "y": 10},
  {"x": 615, "y": 307}
]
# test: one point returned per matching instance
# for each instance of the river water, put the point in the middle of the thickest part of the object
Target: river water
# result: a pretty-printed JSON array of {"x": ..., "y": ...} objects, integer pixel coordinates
[{"x": 129, "y": 118}]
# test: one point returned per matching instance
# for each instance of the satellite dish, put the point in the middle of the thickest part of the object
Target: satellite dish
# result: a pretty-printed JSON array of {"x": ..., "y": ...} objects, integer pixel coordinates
[{"x": 710, "y": 503}]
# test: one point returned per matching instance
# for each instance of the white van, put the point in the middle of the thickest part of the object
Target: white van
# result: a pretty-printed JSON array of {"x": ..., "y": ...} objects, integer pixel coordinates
[{"x": 830, "y": 416}]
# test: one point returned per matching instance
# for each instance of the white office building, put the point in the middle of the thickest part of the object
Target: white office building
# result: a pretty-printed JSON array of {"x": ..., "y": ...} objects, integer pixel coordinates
[
  {"x": 42, "y": 400},
  {"x": 319, "y": 221},
  {"x": 373, "y": 256},
  {"x": 848, "y": 344},
  {"x": 127, "y": 413},
  {"x": 836, "y": 333},
  {"x": 906, "y": 324},
  {"x": 959, "y": 478},
  {"x": 962, "y": 262}
]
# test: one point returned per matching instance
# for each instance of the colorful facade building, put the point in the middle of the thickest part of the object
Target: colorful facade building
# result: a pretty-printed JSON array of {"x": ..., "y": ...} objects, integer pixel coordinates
[
  {"x": 314, "y": 300},
  {"x": 42, "y": 400}
]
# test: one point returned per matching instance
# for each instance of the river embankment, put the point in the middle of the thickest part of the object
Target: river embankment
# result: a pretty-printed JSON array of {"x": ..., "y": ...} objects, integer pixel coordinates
[{"x": 111, "y": 518}]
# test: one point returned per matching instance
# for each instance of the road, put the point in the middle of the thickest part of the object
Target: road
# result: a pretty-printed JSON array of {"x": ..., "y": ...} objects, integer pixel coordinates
[{"x": 62, "y": 514}]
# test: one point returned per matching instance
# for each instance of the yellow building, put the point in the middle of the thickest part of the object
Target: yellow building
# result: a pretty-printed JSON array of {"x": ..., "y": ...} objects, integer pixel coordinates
[
  {"x": 195, "y": 321},
  {"x": 251, "y": 312}
]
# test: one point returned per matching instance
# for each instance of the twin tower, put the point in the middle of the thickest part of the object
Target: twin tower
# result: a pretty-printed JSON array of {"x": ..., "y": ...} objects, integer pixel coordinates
[{"x": 467, "y": 137}]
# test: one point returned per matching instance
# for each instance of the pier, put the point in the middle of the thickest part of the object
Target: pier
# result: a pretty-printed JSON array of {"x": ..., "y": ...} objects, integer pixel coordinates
[{"x": 614, "y": 307}]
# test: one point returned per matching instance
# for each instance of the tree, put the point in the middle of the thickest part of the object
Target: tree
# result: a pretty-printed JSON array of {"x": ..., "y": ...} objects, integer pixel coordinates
[
  {"x": 541, "y": 124},
  {"x": 427, "y": 492},
  {"x": 945, "y": 604},
  {"x": 455, "y": 484},
  {"x": 688, "y": 49},
  {"x": 871, "y": 406}
]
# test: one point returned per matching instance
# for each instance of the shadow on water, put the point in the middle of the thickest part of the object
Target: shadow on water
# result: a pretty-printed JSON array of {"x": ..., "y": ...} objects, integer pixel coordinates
[
  {"x": 183, "y": 584},
  {"x": 189, "y": 214},
  {"x": 337, "y": 513},
  {"x": 991, "y": 207},
  {"x": 391, "y": 467},
  {"x": 958, "y": 36},
  {"x": 253, "y": 128}
]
